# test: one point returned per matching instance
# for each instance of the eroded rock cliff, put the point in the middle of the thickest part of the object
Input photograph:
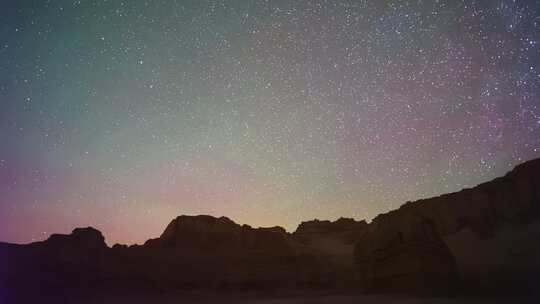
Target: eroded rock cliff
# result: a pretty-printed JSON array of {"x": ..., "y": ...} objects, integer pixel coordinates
[{"x": 491, "y": 231}]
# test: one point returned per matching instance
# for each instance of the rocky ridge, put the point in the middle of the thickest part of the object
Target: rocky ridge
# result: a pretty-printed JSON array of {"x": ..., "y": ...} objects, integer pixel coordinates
[{"x": 484, "y": 236}]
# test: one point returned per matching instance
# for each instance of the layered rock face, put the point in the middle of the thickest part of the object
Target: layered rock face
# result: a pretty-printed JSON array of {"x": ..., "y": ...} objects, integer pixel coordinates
[
  {"x": 491, "y": 231},
  {"x": 332, "y": 244},
  {"x": 406, "y": 256}
]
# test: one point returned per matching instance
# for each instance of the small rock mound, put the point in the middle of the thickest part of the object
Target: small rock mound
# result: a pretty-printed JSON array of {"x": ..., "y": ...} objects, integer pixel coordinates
[{"x": 83, "y": 238}]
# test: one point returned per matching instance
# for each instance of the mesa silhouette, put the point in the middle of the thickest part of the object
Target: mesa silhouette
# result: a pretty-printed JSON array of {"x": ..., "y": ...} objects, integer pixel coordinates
[{"x": 482, "y": 240}]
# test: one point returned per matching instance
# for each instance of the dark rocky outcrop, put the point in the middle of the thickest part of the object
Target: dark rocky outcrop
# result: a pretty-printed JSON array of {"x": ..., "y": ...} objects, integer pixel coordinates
[
  {"x": 346, "y": 230},
  {"x": 213, "y": 252},
  {"x": 205, "y": 233},
  {"x": 82, "y": 245},
  {"x": 61, "y": 264}
]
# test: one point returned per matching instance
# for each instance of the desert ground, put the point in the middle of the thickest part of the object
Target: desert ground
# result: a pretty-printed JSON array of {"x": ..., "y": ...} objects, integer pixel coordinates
[{"x": 288, "y": 298}]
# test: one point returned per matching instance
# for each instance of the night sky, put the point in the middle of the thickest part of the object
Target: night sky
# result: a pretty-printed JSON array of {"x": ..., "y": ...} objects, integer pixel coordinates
[{"x": 123, "y": 115}]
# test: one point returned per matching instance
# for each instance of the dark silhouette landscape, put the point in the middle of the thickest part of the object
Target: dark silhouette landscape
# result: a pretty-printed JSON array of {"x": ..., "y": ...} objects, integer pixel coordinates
[
  {"x": 474, "y": 245},
  {"x": 264, "y": 151}
]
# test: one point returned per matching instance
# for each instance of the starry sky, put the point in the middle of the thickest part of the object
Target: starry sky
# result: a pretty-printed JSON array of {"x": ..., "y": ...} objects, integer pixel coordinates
[{"x": 124, "y": 114}]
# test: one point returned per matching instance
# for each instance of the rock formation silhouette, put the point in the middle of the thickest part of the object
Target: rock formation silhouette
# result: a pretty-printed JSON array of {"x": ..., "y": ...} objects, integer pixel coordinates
[{"x": 469, "y": 242}]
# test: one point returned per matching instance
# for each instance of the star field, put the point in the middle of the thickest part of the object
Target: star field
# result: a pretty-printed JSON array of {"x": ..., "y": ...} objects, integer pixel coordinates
[{"x": 123, "y": 115}]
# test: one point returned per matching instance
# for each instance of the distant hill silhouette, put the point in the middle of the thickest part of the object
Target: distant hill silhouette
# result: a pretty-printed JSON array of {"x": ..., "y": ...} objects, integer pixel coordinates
[{"x": 482, "y": 240}]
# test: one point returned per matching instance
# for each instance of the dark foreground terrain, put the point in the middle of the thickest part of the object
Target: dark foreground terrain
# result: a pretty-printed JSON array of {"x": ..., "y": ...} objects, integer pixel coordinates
[
  {"x": 479, "y": 245},
  {"x": 294, "y": 298}
]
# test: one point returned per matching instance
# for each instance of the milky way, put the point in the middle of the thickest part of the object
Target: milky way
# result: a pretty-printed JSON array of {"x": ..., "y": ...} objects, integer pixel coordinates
[{"x": 123, "y": 115}]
